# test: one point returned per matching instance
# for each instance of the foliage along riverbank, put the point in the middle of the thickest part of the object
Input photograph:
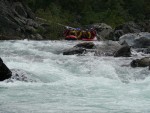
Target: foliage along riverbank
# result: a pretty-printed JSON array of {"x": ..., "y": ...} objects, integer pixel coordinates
[
  {"x": 18, "y": 21},
  {"x": 80, "y": 12}
]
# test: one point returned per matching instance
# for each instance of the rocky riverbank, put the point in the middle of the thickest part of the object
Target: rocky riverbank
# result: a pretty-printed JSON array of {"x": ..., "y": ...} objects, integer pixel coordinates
[{"x": 17, "y": 21}]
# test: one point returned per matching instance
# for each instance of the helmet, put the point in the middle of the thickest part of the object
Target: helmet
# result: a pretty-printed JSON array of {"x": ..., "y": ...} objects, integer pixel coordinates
[{"x": 78, "y": 29}]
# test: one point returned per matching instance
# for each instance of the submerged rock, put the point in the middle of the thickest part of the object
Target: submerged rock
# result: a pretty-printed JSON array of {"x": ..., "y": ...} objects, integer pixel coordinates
[
  {"x": 144, "y": 62},
  {"x": 20, "y": 75},
  {"x": 5, "y": 73},
  {"x": 74, "y": 51}
]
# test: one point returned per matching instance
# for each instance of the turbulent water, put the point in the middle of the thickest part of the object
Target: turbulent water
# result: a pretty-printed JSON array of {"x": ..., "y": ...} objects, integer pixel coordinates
[{"x": 71, "y": 84}]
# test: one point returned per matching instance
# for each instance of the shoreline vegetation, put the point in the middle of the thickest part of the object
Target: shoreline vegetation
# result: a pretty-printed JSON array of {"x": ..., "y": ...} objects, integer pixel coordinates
[
  {"x": 26, "y": 19},
  {"x": 81, "y": 13},
  {"x": 117, "y": 20},
  {"x": 78, "y": 12}
]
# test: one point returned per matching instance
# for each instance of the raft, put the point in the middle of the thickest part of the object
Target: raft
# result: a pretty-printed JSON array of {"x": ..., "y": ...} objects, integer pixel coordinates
[{"x": 71, "y": 37}]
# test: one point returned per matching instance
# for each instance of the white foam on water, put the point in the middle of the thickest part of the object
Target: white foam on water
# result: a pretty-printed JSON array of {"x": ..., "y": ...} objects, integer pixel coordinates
[{"x": 71, "y": 84}]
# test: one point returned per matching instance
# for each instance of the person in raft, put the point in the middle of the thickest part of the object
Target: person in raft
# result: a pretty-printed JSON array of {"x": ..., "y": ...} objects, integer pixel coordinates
[
  {"x": 93, "y": 33},
  {"x": 86, "y": 34},
  {"x": 73, "y": 32}
]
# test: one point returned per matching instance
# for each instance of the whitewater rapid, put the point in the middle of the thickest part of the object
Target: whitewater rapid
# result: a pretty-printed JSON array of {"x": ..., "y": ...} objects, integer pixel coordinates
[{"x": 71, "y": 84}]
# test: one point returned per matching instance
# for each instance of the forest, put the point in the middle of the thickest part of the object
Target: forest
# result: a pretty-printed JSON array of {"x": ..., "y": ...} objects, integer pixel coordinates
[{"x": 84, "y": 12}]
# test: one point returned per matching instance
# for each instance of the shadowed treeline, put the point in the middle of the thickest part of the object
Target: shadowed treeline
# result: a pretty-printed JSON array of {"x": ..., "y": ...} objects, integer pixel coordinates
[{"x": 83, "y": 12}]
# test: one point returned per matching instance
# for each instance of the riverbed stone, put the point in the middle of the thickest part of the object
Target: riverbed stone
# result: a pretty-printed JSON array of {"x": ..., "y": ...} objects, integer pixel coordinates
[
  {"x": 86, "y": 45},
  {"x": 5, "y": 72},
  {"x": 144, "y": 62}
]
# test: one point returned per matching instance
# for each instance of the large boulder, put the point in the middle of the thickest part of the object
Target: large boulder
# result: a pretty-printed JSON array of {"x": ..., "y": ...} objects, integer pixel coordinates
[
  {"x": 103, "y": 30},
  {"x": 17, "y": 21},
  {"x": 124, "y": 51},
  {"x": 5, "y": 73},
  {"x": 144, "y": 62},
  {"x": 145, "y": 25},
  {"x": 107, "y": 48},
  {"x": 136, "y": 40},
  {"x": 129, "y": 27}
]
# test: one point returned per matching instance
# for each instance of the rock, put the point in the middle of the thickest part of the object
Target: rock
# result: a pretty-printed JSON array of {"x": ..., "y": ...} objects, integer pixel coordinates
[
  {"x": 5, "y": 73},
  {"x": 107, "y": 48},
  {"x": 145, "y": 25},
  {"x": 129, "y": 27},
  {"x": 74, "y": 50},
  {"x": 142, "y": 42},
  {"x": 86, "y": 45},
  {"x": 136, "y": 40},
  {"x": 30, "y": 29},
  {"x": 147, "y": 50},
  {"x": 117, "y": 34},
  {"x": 143, "y": 50},
  {"x": 124, "y": 51},
  {"x": 144, "y": 62},
  {"x": 16, "y": 20},
  {"x": 31, "y": 22},
  {"x": 38, "y": 37},
  {"x": 103, "y": 30},
  {"x": 20, "y": 75}
]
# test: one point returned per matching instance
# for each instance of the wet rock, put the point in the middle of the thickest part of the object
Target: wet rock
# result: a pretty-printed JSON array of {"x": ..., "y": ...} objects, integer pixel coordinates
[
  {"x": 143, "y": 50},
  {"x": 124, "y": 51},
  {"x": 144, "y": 62},
  {"x": 20, "y": 75},
  {"x": 107, "y": 48},
  {"x": 136, "y": 40},
  {"x": 5, "y": 73},
  {"x": 103, "y": 30},
  {"x": 142, "y": 42},
  {"x": 86, "y": 45},
  {"x": 74, "y": 51}
]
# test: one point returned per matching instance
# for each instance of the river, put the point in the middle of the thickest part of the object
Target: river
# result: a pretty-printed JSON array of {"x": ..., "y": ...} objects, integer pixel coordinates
[{"x": 71, "y": 84}]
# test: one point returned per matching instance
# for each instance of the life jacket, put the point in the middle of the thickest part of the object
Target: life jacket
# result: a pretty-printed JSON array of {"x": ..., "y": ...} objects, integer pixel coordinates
[
  {"x": 79, "y": 34},
  {"x": 89, "y": 34},
  {"x": 73, "y": 32},
  {"x": 86, "y": 34}
]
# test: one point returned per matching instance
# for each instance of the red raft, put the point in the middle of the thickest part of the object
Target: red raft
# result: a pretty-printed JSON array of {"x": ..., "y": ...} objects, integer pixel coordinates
[
  {"x": 71, "y": 37},
  {"x": 88, "y": 35}
]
